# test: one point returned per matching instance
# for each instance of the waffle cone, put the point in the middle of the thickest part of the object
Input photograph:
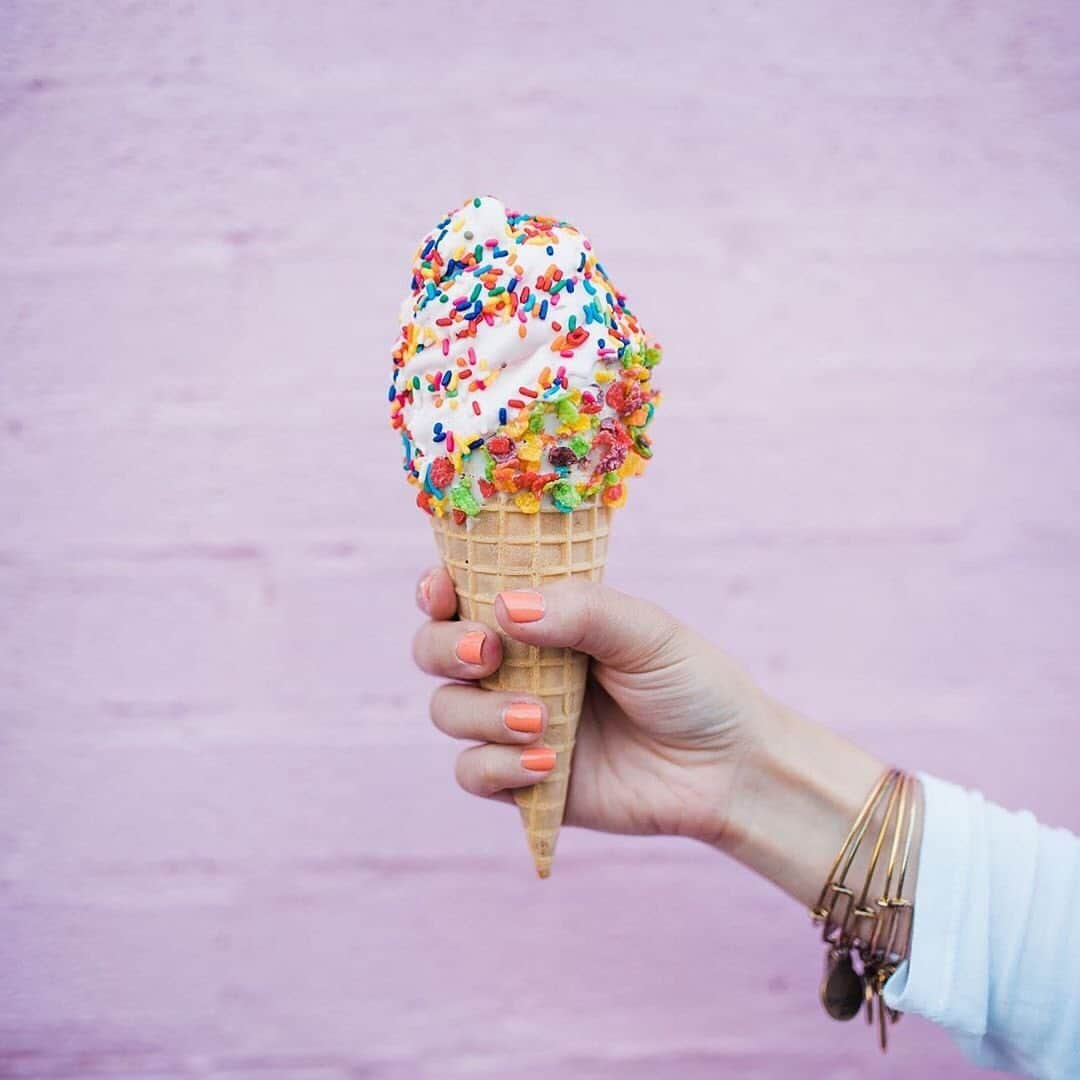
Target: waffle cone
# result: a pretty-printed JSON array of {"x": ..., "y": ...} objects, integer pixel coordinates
[{"x": 502, "y": 548}]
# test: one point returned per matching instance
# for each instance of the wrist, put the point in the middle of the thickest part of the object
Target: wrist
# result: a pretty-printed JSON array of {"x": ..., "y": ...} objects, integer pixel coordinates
[{"x": 795, "y": 791}]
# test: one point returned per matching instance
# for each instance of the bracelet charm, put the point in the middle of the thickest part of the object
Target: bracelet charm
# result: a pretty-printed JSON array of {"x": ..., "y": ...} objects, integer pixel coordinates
[
  {"x": 841, "y": 986},
  {"x": 866, "y": 940}
]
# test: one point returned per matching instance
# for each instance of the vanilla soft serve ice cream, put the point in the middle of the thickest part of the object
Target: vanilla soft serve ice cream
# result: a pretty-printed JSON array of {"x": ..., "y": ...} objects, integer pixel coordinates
[{"x": 519, "y": 370}]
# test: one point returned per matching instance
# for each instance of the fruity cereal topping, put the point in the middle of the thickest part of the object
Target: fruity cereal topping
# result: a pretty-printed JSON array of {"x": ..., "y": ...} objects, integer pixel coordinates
[{"x": 519, "y": 368}]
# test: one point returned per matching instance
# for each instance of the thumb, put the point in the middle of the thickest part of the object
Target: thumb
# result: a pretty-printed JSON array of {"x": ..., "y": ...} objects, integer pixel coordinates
[{"x": 618, "y": 630}]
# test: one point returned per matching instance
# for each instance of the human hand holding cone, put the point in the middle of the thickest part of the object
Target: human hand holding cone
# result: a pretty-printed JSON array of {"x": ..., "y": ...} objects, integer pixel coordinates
[
  {"x": 501, "y": 548},
  {"x": 522, "y": 391}
]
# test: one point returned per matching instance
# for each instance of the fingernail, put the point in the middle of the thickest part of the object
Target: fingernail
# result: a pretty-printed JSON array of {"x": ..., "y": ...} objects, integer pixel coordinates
[
  {"x": 471, "y": 646},
  {"x": 523, "y": 606},
  {"x": 423, "y": 592},
  {"x": 538, "y": 759},
  {"x": 524, "y": 716}
]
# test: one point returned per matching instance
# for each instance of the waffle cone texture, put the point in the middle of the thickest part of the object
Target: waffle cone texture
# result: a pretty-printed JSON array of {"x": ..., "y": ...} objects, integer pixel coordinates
[{"x": 502, "y": 548}]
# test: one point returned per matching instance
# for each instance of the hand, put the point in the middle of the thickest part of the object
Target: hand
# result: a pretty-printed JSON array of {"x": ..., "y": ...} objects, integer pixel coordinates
[{"x": 666, "y": 723}]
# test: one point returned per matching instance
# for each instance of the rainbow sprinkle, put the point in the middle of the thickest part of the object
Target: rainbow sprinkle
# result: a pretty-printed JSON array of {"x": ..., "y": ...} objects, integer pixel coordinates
[{"x": 519, "y": 368}]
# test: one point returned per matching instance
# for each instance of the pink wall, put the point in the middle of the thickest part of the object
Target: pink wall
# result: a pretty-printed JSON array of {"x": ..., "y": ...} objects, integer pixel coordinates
[{"x": 230, "y": 844}]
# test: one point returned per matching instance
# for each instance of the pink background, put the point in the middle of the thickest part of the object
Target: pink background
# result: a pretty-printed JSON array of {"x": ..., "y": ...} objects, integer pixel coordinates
[{"x": 230, "y": 844}]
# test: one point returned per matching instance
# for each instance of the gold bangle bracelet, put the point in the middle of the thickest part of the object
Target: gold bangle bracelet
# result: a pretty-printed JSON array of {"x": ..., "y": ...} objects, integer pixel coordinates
[
  {"x": 835, "y": 887},
  {"x": 867, "y": 943}
]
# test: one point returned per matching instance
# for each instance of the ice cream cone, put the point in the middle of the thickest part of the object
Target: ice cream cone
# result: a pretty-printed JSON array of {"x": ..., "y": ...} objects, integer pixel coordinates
[
  {"x": 504, "y": 548},
  {"x": 520, "y": 368}
]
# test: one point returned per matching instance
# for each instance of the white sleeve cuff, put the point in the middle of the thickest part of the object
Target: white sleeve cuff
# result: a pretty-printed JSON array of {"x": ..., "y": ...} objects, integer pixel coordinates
[
  {"x": 995, "y": 943},
  {"x": 950, "y": 919}
]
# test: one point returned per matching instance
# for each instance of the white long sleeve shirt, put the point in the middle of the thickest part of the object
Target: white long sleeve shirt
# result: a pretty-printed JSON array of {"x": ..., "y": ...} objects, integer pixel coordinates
[{"x": 995, "y": 948}]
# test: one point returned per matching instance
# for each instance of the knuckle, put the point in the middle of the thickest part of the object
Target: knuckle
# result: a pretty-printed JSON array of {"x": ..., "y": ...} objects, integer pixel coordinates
[
  {"x": 590, "y": 603},
  {"x": 418, "y": 649},
  {"x": 663, "y": 643},
  {"x": 489, "y": 779},
  {"x": 461, "y": 772},
  {"x": 439, "y": 705},
  {"x": 476, "y": 772}
]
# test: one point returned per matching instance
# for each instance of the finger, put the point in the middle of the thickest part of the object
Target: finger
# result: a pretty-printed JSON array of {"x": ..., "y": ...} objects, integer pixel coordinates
[
  {"x": 489, "y": 716},
  {"x": 617, "y": 629},
  {"x": 435, "y": 595},
  {"x": 457, "y": 650},
  {"x": 485, "y": 770}
]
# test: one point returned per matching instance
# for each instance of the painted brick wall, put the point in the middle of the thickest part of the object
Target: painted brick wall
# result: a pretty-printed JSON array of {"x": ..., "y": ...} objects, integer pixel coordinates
[{"x": 230, "y": 845}]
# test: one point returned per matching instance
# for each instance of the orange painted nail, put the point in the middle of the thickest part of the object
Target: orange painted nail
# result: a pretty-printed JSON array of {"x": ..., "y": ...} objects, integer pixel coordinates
[
  {"x": 471, "y": 646},
  {"x": 523, "y": 606},
  {"x": 524, "y": 716},
  {"x": 538, "y": 759}
]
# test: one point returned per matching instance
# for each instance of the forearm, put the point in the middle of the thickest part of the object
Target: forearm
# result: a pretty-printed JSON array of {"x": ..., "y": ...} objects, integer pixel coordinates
[
  {"x": 995, "y": 940},
  {"x": 796, "y": 791}
]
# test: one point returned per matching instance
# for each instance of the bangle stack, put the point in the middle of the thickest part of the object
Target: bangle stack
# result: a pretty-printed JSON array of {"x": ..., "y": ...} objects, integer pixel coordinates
[{"x": 866, "y": 939}]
